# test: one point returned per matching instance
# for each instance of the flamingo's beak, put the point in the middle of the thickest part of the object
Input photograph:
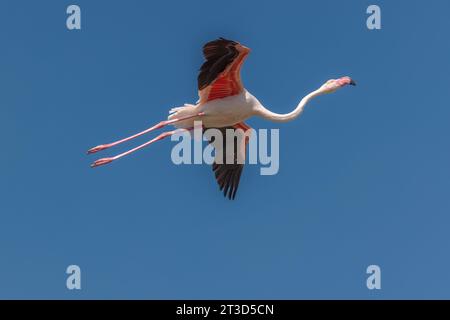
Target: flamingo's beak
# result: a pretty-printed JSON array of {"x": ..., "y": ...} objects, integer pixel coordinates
[{"x": 352, "y": 82}]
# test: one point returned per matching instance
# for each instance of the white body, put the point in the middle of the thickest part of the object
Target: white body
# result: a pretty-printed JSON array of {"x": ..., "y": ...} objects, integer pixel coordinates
[{"x": 218, "y": 113}]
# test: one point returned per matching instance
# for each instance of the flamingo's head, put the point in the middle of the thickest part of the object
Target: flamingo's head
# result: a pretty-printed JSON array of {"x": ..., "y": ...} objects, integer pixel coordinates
[{"x": 333, "y": 84}]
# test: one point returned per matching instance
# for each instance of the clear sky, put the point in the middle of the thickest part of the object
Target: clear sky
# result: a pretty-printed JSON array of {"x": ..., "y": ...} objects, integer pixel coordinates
[{"x": 364, "y": 173}]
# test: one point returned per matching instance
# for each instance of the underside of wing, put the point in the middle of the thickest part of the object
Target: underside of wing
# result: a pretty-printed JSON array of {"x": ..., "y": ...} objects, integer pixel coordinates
[
  {"x": 229, "y": 159},
  {"x": 219, "y": 75}
]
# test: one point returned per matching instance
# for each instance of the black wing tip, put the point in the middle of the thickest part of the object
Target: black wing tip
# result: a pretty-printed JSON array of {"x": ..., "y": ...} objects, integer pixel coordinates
[
  {"x": 220, "y": 41},
  {"x": 227, "y": 175},
  {"x": 219, "y": 54},
  {"x": 228, "y": 179}
]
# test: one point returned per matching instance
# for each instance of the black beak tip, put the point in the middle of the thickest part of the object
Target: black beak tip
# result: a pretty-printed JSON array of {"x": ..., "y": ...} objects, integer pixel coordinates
[{"x": 352, "y": 82}]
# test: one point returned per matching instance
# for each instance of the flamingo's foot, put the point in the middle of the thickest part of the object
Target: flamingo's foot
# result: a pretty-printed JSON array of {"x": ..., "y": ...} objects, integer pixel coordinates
[{"x": 101, "y": 162}]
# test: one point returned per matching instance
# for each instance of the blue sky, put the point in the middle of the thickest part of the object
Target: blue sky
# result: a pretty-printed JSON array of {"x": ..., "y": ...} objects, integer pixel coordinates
[{"x": 364, "y": 173}]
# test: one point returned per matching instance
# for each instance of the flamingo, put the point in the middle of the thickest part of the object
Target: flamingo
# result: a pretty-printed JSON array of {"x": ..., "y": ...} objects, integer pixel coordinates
[{"x": 224, "y": 104}]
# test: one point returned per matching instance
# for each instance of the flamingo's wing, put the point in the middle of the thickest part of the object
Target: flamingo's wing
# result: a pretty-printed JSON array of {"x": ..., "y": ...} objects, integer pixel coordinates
[
  {"x": 219, "y": 75},
  {"x": 228, "y": 174}
]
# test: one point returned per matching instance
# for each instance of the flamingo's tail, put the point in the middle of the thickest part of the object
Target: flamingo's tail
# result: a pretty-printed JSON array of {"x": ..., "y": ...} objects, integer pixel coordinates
[{"x": 188, "y": 111}]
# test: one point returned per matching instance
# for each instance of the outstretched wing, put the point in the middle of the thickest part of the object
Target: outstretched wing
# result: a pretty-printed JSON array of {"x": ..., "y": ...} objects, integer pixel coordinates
[
  {"x": 228, "y": 173},
  {"x": 219, "y": 75}
]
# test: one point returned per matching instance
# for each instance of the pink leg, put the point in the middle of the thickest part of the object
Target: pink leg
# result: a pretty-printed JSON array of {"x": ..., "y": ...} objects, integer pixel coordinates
[
  {"x": 157, "y": 126},
  {"x": 163, "y": 135}
]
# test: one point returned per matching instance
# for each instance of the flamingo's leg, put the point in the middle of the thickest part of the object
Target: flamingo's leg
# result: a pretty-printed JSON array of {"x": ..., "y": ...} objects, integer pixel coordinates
[
  {"x": 163, "y": 135},
  {"x": 155, "y": 127}
]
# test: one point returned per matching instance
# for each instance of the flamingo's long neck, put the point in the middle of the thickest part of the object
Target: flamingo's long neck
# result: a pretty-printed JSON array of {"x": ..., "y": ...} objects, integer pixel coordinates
[{"x": 276, "y": 117}]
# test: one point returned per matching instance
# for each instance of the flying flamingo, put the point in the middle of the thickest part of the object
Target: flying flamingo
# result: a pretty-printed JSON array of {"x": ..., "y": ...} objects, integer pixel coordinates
[{"x": 223, "y": 103}]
